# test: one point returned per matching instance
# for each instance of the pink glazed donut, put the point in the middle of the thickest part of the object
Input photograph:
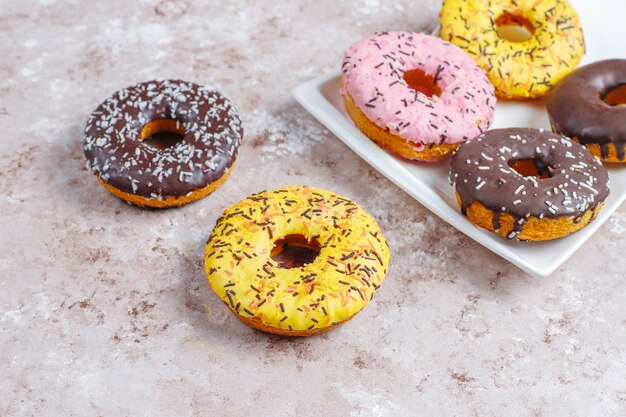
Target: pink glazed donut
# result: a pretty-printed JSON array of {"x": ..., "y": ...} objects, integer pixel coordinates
[{"x": 416, "y": 95}]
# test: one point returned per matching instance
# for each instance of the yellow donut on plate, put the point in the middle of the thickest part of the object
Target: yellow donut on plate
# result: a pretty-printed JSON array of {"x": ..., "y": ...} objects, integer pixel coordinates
[
  {"x": 241, "y": 266},
  {"x": 518, "y": 68}
]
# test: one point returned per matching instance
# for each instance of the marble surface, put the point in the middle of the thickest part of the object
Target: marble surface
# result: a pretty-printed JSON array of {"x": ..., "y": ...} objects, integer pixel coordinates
[{"x": 105, "y": 310}]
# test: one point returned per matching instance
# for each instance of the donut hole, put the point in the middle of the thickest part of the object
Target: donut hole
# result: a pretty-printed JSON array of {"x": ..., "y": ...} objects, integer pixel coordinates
[
  {"x": 531, "y": 168},
  {"x": 514, "y": 27},
  {"x": 615, "y": 96},
  {"x": 294, "y": 251},
  {"x": 162, "y": 133},
  {"x": 426, "y": 84}
]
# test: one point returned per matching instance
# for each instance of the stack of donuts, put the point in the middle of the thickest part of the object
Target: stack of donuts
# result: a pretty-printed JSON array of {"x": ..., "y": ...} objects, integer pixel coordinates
[
  {"x": 429, "y": 98},
  {"x": 300, "y": 260}
]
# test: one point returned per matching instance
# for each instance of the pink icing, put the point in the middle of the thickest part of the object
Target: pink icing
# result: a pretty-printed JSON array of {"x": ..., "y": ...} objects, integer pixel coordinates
[{"x": 373, "y": 75}]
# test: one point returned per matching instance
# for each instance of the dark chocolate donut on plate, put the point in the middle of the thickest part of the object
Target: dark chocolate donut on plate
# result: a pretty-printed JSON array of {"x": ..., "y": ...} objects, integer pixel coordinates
[
  {"x": 528, "y": 184},
  {"x": 163, "y": 174},
  {"x": 588, "y": 107}
]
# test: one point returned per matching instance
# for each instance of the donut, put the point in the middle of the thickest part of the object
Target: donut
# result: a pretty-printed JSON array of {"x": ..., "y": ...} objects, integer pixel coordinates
[
  {"x": 415, "y": 95},
  {"x": 588, "y": 107},
  {"x": 349, "y": 265},
  {"x": 525, "y": 69},
  {"x": 149, "y": 173},
  {"x": 528, "y": 184}
]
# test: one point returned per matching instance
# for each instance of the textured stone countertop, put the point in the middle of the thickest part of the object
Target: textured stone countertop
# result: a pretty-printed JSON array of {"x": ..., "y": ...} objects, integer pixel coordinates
[{"x": 105, "y": 309}]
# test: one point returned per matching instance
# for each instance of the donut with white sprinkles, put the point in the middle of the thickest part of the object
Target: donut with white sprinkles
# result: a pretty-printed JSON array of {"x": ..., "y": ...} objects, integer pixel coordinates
[
  {"x": 528, "y": 184},
  {"x": 135, "y": 170}
]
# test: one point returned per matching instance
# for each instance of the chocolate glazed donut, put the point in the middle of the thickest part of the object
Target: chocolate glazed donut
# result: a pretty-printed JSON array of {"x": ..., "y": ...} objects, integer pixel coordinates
[
  {"x": 528, "y": 184},
  {"x": 134, "y": 169},
  {"x": 580, "y": 107}
]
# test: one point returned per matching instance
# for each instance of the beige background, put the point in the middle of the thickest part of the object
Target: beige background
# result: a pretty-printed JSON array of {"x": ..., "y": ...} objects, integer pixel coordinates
[{"x": 104, "y": 308}]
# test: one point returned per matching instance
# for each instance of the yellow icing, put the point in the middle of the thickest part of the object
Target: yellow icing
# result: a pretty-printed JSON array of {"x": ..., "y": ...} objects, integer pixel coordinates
[
  {"x": 517, "y": 69},
  {"x": 350, "y": 266}
]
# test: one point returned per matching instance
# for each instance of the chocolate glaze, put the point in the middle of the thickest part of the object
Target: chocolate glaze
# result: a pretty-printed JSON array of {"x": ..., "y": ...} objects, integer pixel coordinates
[
  {"x": 116, "y": 153},
  {"x": 576, "y": 108},
  {"x": 481, "y": 172}
]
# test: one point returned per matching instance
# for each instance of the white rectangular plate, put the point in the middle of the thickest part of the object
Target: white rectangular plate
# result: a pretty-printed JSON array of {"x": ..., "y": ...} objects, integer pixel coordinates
[{"x": 428, "y": 183}]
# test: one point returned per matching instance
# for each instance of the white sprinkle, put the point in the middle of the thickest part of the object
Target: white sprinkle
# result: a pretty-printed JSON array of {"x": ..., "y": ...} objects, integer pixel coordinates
[{"x": 582, "y": 184}]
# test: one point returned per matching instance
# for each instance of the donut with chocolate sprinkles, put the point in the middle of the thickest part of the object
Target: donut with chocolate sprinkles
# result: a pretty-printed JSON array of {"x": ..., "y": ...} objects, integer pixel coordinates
[
  {"x": 589, "y": 106},
  {"x": 346, "y": 262},
  {"x": 415, "y": 95},
  {"x": 518, "y": 68},
  {"x": 126, "y": 162},
  {"x": 528, "y": 184}
]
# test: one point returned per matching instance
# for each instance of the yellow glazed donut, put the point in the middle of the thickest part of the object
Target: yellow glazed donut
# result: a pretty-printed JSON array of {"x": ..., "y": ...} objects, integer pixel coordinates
[
  {"x": 525, "y": 69},
  {"x": 241, "y": 266}
]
